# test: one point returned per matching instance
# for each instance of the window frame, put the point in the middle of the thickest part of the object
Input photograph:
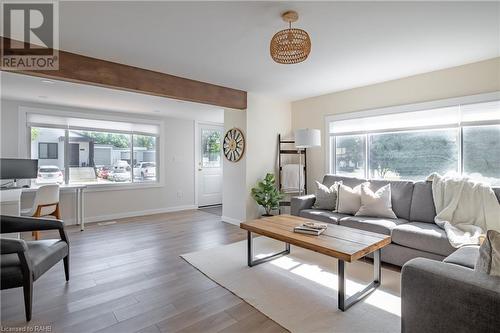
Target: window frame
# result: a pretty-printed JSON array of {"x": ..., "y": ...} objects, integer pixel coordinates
[
  {"x": 331, "y": 138},
  {"x": 48, "y": 156},
  {"x": 25, "y": 139}
]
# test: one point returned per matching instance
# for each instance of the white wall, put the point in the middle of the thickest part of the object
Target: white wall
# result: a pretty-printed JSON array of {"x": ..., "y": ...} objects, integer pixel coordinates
[
  {"x": 234, "y": 173},
  {"x": 177, "y": 170},
  {"x": 266, "y": 118},
  {"x": 261, "y": 123},
  {"x": 471, "y": 79}
]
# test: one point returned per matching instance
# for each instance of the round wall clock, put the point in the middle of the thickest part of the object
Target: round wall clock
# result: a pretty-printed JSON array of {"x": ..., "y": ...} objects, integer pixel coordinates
[{"x": 234, "y": 145}]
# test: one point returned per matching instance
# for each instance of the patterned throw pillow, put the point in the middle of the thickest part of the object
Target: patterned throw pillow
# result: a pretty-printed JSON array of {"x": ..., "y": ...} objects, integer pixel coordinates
[
  {"x": 489, "y": 254},
  {"x": 326, "y": 197}
]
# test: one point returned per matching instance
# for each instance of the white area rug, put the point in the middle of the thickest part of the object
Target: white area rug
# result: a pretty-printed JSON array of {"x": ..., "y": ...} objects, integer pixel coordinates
[{"x": 299, "y": 291}]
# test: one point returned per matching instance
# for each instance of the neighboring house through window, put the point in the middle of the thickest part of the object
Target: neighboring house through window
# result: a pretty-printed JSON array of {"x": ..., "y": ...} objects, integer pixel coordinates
[
  {"x": 47, "y": 150},
  {"x": 94, "y": 151}
]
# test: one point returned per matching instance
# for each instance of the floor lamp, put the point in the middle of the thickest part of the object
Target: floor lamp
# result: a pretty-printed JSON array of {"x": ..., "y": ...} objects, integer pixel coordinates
[{"x": 306, "y": 138}]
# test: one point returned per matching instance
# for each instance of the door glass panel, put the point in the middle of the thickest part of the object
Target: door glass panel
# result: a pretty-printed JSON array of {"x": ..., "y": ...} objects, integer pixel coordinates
[{"x": 211, "y": 148}]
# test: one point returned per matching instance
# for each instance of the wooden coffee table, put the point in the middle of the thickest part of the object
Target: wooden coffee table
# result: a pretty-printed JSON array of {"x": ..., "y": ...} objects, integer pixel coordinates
[{"x": 345, "y": 244}]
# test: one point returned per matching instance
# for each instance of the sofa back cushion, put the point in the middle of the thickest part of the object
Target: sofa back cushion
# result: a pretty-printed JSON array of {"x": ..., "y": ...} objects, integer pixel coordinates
[
  {"x": 401, "y": 194},
  {"x": 422, "y": 205},
  {"x": 329, "y": 180},
  {"x": 401, "y": 191}
]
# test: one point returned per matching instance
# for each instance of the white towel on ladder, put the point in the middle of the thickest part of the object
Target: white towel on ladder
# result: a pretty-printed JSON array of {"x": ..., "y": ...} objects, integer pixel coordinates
[{"x": 290, "y": 178}]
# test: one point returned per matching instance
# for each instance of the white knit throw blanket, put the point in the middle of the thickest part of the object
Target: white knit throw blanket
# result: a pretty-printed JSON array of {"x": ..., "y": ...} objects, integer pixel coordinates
[{"x": 465, "y": 209}]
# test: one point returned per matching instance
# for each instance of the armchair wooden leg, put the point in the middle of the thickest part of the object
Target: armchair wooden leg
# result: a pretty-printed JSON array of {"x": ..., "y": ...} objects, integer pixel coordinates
[
  {"x": 28, "y": 298},
  {"x": 66, "y": 267},
  {"x": 36, "y": 235}
]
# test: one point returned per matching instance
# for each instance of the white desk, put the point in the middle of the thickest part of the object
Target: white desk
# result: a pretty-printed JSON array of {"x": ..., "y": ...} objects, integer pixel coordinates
[
  {"x": 10, "y": 204},
  {"x": 7, "y": 195}
]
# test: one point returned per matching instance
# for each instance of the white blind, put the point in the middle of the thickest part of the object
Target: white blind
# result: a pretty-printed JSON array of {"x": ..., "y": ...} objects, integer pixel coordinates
[
  {"x": 415, "y": 119},
  {"x": 92, "y": 124},
  {"x": 479, "y": 112},
  {"x": 467, "y": 114}
]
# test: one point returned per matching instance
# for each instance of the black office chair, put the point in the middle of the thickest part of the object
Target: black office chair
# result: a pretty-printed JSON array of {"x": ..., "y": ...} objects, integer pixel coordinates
[{"x": 23, "y": 262}]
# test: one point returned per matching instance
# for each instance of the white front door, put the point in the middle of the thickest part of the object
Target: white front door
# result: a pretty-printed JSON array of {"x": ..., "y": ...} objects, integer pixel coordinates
[{"x": 210, "y": 165}]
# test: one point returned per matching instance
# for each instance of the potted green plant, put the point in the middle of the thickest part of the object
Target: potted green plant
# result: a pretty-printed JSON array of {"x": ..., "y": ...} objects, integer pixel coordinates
[{"x": 266, "y": 194}]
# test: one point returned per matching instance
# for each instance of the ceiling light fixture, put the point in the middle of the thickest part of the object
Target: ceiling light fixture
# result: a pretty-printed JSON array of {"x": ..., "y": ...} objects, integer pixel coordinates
[
  {"x": 290, "y": 46},
  {"x": 48, "y": 81}
]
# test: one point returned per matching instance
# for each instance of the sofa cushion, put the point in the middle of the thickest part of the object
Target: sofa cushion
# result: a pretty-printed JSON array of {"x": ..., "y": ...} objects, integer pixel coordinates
[
  {"x": 423, "y": 236},
  {"x": 329, "y": 180},
  {"x": 401, "y": 195},
  {"x": 465, "y": 256},
  {"x": 322, "y": 215},
  {"x": 373, "y": 224},
  {"x": 422, "y": 204}
]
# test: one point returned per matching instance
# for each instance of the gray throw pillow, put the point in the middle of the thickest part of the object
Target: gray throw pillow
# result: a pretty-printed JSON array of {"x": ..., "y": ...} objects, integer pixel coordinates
[
  {"x": 326, "y": 197},
  {"x": 489, "y": 254}
]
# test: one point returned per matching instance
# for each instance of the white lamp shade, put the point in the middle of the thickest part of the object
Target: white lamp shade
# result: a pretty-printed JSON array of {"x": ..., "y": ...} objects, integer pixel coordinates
[{"x": 307, "y": 138}]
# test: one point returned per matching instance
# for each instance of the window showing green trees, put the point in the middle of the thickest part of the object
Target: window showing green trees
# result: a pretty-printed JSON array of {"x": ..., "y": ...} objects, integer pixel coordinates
[
  {"x": 481, "y": 150},
  {"x": 350, "y": 155},
  {"x": 413, "y": 155}
]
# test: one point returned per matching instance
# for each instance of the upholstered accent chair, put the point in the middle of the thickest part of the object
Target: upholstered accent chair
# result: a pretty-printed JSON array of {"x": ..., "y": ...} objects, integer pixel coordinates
[{"x": 23, "y": 262}]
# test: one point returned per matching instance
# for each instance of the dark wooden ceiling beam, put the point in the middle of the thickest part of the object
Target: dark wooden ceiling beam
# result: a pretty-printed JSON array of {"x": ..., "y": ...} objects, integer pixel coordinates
[{"x": 87, "y": 70}]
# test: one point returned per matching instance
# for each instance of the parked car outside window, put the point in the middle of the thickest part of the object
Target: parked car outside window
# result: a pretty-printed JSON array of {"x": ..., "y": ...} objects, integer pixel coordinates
[
  {"x": 119, "y": 175},
  {"x": 145, "y": 170},
  {"x": 49, "y": 174}
]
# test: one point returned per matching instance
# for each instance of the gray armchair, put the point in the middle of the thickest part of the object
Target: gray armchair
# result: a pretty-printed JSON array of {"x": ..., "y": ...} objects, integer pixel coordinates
[
  {"x": 449, "y": 296},
  {"x": 23, "y": 262}
]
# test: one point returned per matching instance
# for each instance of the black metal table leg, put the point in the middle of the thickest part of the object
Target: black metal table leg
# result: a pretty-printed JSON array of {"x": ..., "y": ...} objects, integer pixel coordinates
[
  {"x": 251, "y": 262},
  {"x": 345, "y": 303}
]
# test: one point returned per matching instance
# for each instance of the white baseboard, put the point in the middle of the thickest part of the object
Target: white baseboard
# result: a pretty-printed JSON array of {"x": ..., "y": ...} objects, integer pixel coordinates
[
  {"x": 231, "y": 220},
  {"x": 100, "y": 218}
]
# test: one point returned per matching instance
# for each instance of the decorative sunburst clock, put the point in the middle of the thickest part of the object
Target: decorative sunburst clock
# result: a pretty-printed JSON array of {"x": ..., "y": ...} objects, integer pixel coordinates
[{"x": 234, "y": 144}]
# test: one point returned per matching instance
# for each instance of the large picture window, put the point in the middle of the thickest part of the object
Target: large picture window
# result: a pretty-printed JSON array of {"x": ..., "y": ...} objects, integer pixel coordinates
[
  {"x": 464, "y": 139},
  {"x": 112, "y": 153}
]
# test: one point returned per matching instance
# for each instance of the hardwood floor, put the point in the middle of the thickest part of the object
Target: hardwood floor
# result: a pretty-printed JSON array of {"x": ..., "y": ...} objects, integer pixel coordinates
[{"x": 128, "y": 277}]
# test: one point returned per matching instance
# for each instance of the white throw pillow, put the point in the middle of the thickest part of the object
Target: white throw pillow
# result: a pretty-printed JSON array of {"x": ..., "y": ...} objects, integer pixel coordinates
[
  {"x": 376, "y": 204},
  {"x": 349, "y": 199},
  {"x": 326, "y": 197}
]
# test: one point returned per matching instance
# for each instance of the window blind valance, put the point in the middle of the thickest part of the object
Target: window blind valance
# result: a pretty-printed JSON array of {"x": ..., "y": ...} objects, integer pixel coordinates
[{"x": 92, "y": 124}]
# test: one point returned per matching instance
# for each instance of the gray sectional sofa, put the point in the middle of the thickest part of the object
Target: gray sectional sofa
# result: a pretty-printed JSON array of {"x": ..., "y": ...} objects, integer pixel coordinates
[
  {"x": 449, "y": 296},
  {"x": 414, "y": 233}
]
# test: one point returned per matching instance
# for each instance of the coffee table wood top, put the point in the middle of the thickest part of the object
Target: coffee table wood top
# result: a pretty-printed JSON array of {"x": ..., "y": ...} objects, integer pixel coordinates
[{"x": 337, "y": 241}]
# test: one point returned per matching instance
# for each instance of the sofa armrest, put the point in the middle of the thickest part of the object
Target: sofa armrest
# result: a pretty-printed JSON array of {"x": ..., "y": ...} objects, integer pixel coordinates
[
  {"x": 12, "y": 245},
  {"x": 441, "y": 297},
  {"x": 299, "y": 203}
]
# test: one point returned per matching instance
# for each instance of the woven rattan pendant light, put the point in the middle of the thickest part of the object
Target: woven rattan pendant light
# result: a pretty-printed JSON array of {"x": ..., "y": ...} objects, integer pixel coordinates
[{"x": 290, "y": 46}]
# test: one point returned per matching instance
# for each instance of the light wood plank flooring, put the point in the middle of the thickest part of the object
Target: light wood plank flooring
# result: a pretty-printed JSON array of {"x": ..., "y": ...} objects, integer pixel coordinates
[{"x": 128, "y": 277}]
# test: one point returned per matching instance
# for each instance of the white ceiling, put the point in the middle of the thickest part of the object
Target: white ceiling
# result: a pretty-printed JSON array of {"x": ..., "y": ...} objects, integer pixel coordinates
[
  {"x": 227, "y": 43},
  {"x": 33, "y": 89}
]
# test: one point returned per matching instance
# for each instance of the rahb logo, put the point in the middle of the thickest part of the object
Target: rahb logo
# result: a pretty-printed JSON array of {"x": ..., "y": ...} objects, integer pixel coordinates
[{"x": 30, "y": 35}]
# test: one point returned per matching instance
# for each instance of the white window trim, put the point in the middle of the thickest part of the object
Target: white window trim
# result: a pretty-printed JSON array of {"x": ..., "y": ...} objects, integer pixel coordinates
[
  {"x": 24, "y": 139},
  {"x": 479, "y": 98}
]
